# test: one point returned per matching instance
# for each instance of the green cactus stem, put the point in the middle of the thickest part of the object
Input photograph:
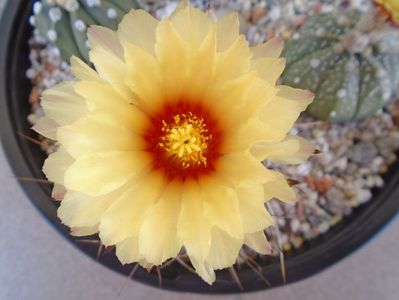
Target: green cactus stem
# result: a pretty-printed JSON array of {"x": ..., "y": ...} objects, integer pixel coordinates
[
  {"x": 64, "y": 23},
  {"x": 350, "y": 61}
]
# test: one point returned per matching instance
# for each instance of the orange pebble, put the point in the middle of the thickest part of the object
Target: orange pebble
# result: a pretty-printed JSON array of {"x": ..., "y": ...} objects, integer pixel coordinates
[{"x": 34, "y": 96}]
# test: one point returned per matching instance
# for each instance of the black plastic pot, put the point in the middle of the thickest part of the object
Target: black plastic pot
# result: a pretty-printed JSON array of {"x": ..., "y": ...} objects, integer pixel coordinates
[{"x": 26, "y": 160}]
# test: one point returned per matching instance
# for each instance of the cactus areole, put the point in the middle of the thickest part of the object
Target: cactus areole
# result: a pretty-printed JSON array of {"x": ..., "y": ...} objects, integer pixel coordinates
[
  {"x": 349, "y": 60},
  {"x": 64, "y": 23}
]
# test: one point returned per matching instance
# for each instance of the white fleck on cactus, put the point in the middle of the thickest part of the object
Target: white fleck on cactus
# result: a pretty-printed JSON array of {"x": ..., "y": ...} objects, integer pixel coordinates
[
  {"x": 350, "y": 61},
  {"x": 64, "y": 22}
]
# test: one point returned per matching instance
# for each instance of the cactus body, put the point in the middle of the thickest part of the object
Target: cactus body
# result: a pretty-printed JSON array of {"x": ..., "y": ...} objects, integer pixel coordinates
[
  {"x": 64, "y": 22},
  {"x": 350, "y": 61}
]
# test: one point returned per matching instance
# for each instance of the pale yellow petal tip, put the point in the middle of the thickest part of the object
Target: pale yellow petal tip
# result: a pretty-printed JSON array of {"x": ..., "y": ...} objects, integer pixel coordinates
[
  {"x": 58, "y": 192},
  {"x": 271, "y": 48},
  {"x": 146, "y": 265},
  {"x": 84, "y": 231},
  {"x": 276, "y": 45},
  {"x": 295, "y": 94},
  {"x": 182, "y": 5},
  {"x": 258, "y": 242},
  {"x": 46, "y": 127},
  {"x": 310, "y": 95},
  {"x": 204, "y": 270}
]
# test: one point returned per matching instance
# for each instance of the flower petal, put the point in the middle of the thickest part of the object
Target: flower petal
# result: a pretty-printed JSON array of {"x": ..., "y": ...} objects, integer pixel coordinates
[
  {"x": 83, "y": 71},
  {"x": 221, "y": 207},
  {"x": 172, "y": 53},
  {"x": 198, "y": 22},
  {"x": 200, "y": 67},
  {"x": 97, "y": 174},
  {"x": 292, "y": 150},
  {"x": 56, "y": 165},
  {"x": 258, "y": 242},
  {"x": 279, "y": 189},
  {"x": 81, "y": 210},
  {"x": 228, "y": 29},
  {"x": 58, "y": 192},
  {"x": 224, "y": 250},
  {"x": 106, "y": 40},
  {"x": 143, "y": 78},
  {"x": 107, "y": 56},
  {"x": 46, "y": 127},
  {"x": 158, "y": 239},
  {"x": 128, "y": 252},
  {"x": 182, "y": 5},
  {"x": 254, "y": 215},
  {"x": 193, "y": 228},
  {"x": 97, "y": 133},
  {"x": 84, "y": 231},
  {"x": 243, "y": 168},
  {"x": 272, "y": 48},
  {"x": 62, "y": 104},
  {"x": 231, "y": 95},
  {"x": 253, "y": 132},
  {"x": 259, "y": 94},
  {"x": 284, "y": 110},
  {"x": 234, "y": 62},
  {"x": 269, "y": 68},
  {"x": 138, "y": 28},
  {"x": 204, "y": 270},
  {"x": 125, "y": 216},
  {"x": 105, "y": 99}
]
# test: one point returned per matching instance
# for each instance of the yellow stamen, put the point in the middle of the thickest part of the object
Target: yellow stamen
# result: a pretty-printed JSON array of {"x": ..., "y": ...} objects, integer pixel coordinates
[{"x": 186, "y": 139}]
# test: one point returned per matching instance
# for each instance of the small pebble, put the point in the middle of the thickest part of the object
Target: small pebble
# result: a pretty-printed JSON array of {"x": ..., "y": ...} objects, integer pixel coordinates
[{"x": 363, "y": 153}]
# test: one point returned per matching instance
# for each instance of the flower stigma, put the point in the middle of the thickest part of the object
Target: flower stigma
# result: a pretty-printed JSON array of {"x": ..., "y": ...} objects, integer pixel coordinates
[{"x": 186, "y": 139}]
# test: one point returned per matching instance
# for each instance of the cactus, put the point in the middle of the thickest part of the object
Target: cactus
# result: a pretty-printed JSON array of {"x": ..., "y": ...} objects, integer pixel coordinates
[
  {"x": 349, "y": 60},
  {"x": 64, "y": 22}
]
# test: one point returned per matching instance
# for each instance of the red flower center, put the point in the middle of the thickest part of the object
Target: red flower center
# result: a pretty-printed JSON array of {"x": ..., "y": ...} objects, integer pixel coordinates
[{"x": 185, "y": 140}]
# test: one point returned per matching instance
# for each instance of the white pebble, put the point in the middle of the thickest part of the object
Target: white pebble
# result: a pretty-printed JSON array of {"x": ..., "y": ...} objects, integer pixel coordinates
[
  {"x": 304, "y": 169},
  {"x": 295, "y": 225},
  {"x": 31, "y": 73},
  {"x": 341, "y": 163},
  {"x": 364, "y": 196},
  {"x": 275, "y": 13},
  {"x": 323, "y": 227},
  {"x": 376, "y": 163},
  {"x": 54, "y": 51}
]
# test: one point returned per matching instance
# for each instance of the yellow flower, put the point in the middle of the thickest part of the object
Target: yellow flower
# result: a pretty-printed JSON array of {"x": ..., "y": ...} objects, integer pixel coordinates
[
  {"x": 161, "y": 146},
  {"x": 391, "y": 8}
]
